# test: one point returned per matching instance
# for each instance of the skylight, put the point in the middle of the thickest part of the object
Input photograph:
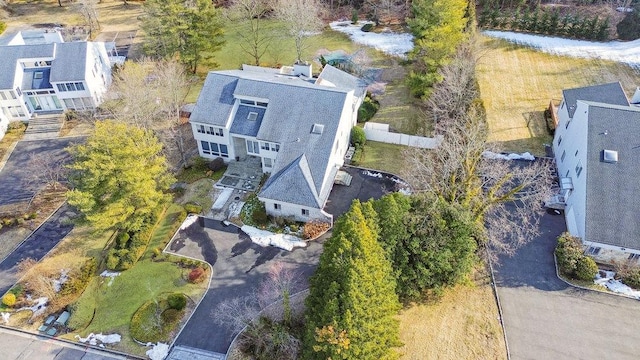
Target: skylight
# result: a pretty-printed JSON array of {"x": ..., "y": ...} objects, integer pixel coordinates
[
  {"x": 610, "y": 156},
  {"x": 252, "y": 116},
  {"x": 317, "y": 129}
]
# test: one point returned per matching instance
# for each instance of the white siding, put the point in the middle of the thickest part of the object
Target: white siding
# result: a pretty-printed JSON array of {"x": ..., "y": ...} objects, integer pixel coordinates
[
  {"x": 225, "y": 140},
  {"x": 291, "y": 210},
  {"x": 569, "y": 140}
]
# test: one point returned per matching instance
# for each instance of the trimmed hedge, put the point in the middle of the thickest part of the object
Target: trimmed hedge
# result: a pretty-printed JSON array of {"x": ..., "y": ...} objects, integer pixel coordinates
[
  {"x": 358, "y": 137},
  {"x": 154, "y": 321},
  {"x": 368, "y": 108},
  {"x": 571, "y": 258}
]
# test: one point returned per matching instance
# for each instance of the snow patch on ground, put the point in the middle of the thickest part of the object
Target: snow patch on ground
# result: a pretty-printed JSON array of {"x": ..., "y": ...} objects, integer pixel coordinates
[
  {"x": 495, "y": 156},
  {"x": 391, "y": 43},
  {"x": 606, "y": 279},
  {"x": 5, "y": 317},
  {"x": 372, "y": 173},
  {"x": 93, "y": 339},
  {"x": 37, "y": 308},
  {"x": 111, "y": 275},
  {"x": 64, "y": 277},
  {"x": 190, "y": 220},
  {"x": 158, "y": 351},
  {"x": 267, "y": 238},
  {"x": 625, "y": 52}
]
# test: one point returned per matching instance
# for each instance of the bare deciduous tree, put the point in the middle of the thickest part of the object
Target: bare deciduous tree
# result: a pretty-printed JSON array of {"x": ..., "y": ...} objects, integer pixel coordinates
[
  {"x": 301, "y": 18},
  {"x": 48, "y": 168},
  {"x": 149, "y": 94},
  {"x": 89, "y": 11},
  {"x": 255, "y": 41},
  {"x": 505, "y": 196}
]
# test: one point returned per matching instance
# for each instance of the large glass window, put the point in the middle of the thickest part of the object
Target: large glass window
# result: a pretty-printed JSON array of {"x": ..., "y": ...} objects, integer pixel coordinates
[
  {"x": 210, "y": 148},
  {"x": 253, "y": 147}
]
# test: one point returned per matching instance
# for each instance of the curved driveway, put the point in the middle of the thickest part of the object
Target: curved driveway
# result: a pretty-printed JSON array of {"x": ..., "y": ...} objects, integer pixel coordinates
[{"x": 544, "y": 318}]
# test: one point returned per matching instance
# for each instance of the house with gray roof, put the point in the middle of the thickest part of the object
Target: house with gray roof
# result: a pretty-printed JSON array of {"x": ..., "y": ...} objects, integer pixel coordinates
[
  {"x": 597, "y": 151},
  {"x": 296, "y": 124},
  {"x": 40, "y": 73}
]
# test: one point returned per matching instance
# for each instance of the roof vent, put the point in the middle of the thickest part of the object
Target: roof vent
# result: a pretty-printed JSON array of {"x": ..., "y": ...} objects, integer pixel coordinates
[
  {"x": 610, "y": 156},
  {"x": 317, "y": 129},
  {"x": 252, "y": 116}
]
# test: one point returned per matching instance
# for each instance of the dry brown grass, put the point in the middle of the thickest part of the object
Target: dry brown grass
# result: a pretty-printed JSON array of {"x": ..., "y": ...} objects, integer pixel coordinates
[
  {"x": 112, "y": 14},
  {"x": 517, "y": 84},
  {"x": 463, "y": 324}
]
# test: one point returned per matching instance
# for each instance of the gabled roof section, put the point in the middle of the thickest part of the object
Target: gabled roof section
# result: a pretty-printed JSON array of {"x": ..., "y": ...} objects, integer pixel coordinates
[
  {"x": 293, "y": 184},
  {"x": 70, "y": 63},
  {"x": 215, "y": 101},
  {"x": 611, "y": 93},
  {"x": 9, "y": 56},
  {"x": 342, "y": 79},
  {"x": 613, "y": 189}
]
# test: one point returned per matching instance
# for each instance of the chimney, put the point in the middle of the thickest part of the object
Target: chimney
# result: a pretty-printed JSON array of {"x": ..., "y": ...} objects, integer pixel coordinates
[
  {"x": 635, "y": 100},
  {"x": 302, "y": 68}
]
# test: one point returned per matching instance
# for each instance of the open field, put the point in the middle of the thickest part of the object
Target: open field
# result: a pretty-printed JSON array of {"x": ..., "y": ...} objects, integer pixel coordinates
[
  {"x": 463, "y": 324},
  {"x": 517, "y": 83}
]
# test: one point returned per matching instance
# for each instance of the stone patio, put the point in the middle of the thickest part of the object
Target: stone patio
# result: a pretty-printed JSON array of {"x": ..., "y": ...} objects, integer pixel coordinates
[{"x": 243, "y": 175}]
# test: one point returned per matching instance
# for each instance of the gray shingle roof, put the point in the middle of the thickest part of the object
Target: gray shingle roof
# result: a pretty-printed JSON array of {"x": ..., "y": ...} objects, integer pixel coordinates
[
  {"x": 9, "y": 56},
  {"x": 294, "y": 106},
  {"x": 611, "y": 93},
  {"x": 70, "y": 63},
  {"x": 296, "y": 178},
  {"x": 343, "y": 80},
  {"x": 613, "y": 189},
  {"x": 215, "y": 100},
  {"x": 242, "y": 125}
]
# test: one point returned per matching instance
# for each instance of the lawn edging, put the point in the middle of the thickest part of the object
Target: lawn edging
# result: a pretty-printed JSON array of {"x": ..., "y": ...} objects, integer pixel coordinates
[
  {"x": 497, "y": 297},
  {"x": 568, "y": 282}
]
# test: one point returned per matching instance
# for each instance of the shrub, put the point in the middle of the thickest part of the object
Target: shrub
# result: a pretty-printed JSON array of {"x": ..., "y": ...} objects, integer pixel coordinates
[
  {"x": 216, "y": 164},
  {"x": 144, "y": 326},
  {"x": 192, "y": 208},
  {"x": 368, "y": 108},
  {"x": 9, "y": 299},
  {"x": 358, "y": 138},
  {"x": 314, "y": 228},
  {"x": 79, "y": 281},
  {"x": 354, "y": 16},
  {"x": 630, "y": 275},
  {"x": 629, "y": 27},
  {"x": 571, "y": 258},
  {"x": 170, "y": 316},
  {"x": 196, "y": 275},
  {"x": 122, "y": 239},
  {"x": 367, "y": 27},
  {"x": 177, "y": 301},
  {"x": 3, "y": 26},
  {"x": 112, "y": 260}
]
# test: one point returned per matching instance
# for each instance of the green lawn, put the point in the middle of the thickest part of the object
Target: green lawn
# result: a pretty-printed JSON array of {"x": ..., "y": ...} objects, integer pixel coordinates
[
  {"x": 382, "y": 156},
  {"x": 111, "y": 305}
]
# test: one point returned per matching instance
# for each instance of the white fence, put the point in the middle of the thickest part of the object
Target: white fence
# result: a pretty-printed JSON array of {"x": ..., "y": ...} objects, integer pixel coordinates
[{"x": 380, "y": 132}]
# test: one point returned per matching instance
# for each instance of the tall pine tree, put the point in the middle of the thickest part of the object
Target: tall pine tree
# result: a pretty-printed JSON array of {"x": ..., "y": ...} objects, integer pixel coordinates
[{"x": 352, "y": 300}]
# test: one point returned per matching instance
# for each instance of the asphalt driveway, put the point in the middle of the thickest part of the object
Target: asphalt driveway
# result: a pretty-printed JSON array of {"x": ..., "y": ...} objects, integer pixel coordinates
[
  {"x": 363, "y": 187},
  {"x": 545, "y": 318},
  {"x": 238, "y": 269},
  {"x": 17, "y": 178}
]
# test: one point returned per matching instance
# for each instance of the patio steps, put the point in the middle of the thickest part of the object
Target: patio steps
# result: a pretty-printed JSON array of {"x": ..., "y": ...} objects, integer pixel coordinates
[
  {"x": 343, "y": 178},
  {"x": 44, "y": 127}
]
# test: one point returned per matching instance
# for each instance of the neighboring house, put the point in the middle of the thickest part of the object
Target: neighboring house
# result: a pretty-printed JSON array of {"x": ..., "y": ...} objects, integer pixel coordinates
[
  {"x": 39, "y": 72},
  {"x": 597, "y": 152},
  {"x": 298, "y": 125}
]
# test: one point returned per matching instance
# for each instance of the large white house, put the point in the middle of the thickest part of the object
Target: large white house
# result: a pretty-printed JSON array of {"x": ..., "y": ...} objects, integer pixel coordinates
[
  {"x": 298, "y": 125},
  {"x": 41, "y": 73},
  {"x": 597, "y": 151}
]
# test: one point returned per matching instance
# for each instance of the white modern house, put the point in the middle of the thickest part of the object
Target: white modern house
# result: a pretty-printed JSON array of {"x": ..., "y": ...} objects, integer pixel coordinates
[
  {"x": 40, "y": 73},
  {"x": 296, "y": 124},
  {"x": 597, "y": 151}
]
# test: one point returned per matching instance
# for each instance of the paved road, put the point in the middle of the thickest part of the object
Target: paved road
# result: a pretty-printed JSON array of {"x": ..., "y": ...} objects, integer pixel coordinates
[
  {"x": 37, "y": 245},
  {"x": 547, "y": 319},
  {"x": 238, "y": 268},
  {"x": 17, "y": 177},
  {"x": 21, "y": 346}
]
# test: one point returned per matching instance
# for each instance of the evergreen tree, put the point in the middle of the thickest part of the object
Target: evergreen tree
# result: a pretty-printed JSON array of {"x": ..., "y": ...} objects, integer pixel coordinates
[
  {"x": 352, "y": 303},
  {"x": 431, "y": 243},
  {"x": 190, "y": 29},
  {"x": 438, "y": 26},
  {"x": 119, "y": 176}
]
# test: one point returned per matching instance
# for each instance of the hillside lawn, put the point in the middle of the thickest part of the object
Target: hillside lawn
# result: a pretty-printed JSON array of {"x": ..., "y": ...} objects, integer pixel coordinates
[
  {"x": 463, "y": 324},
  {"x": 517, "y": 83}
]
